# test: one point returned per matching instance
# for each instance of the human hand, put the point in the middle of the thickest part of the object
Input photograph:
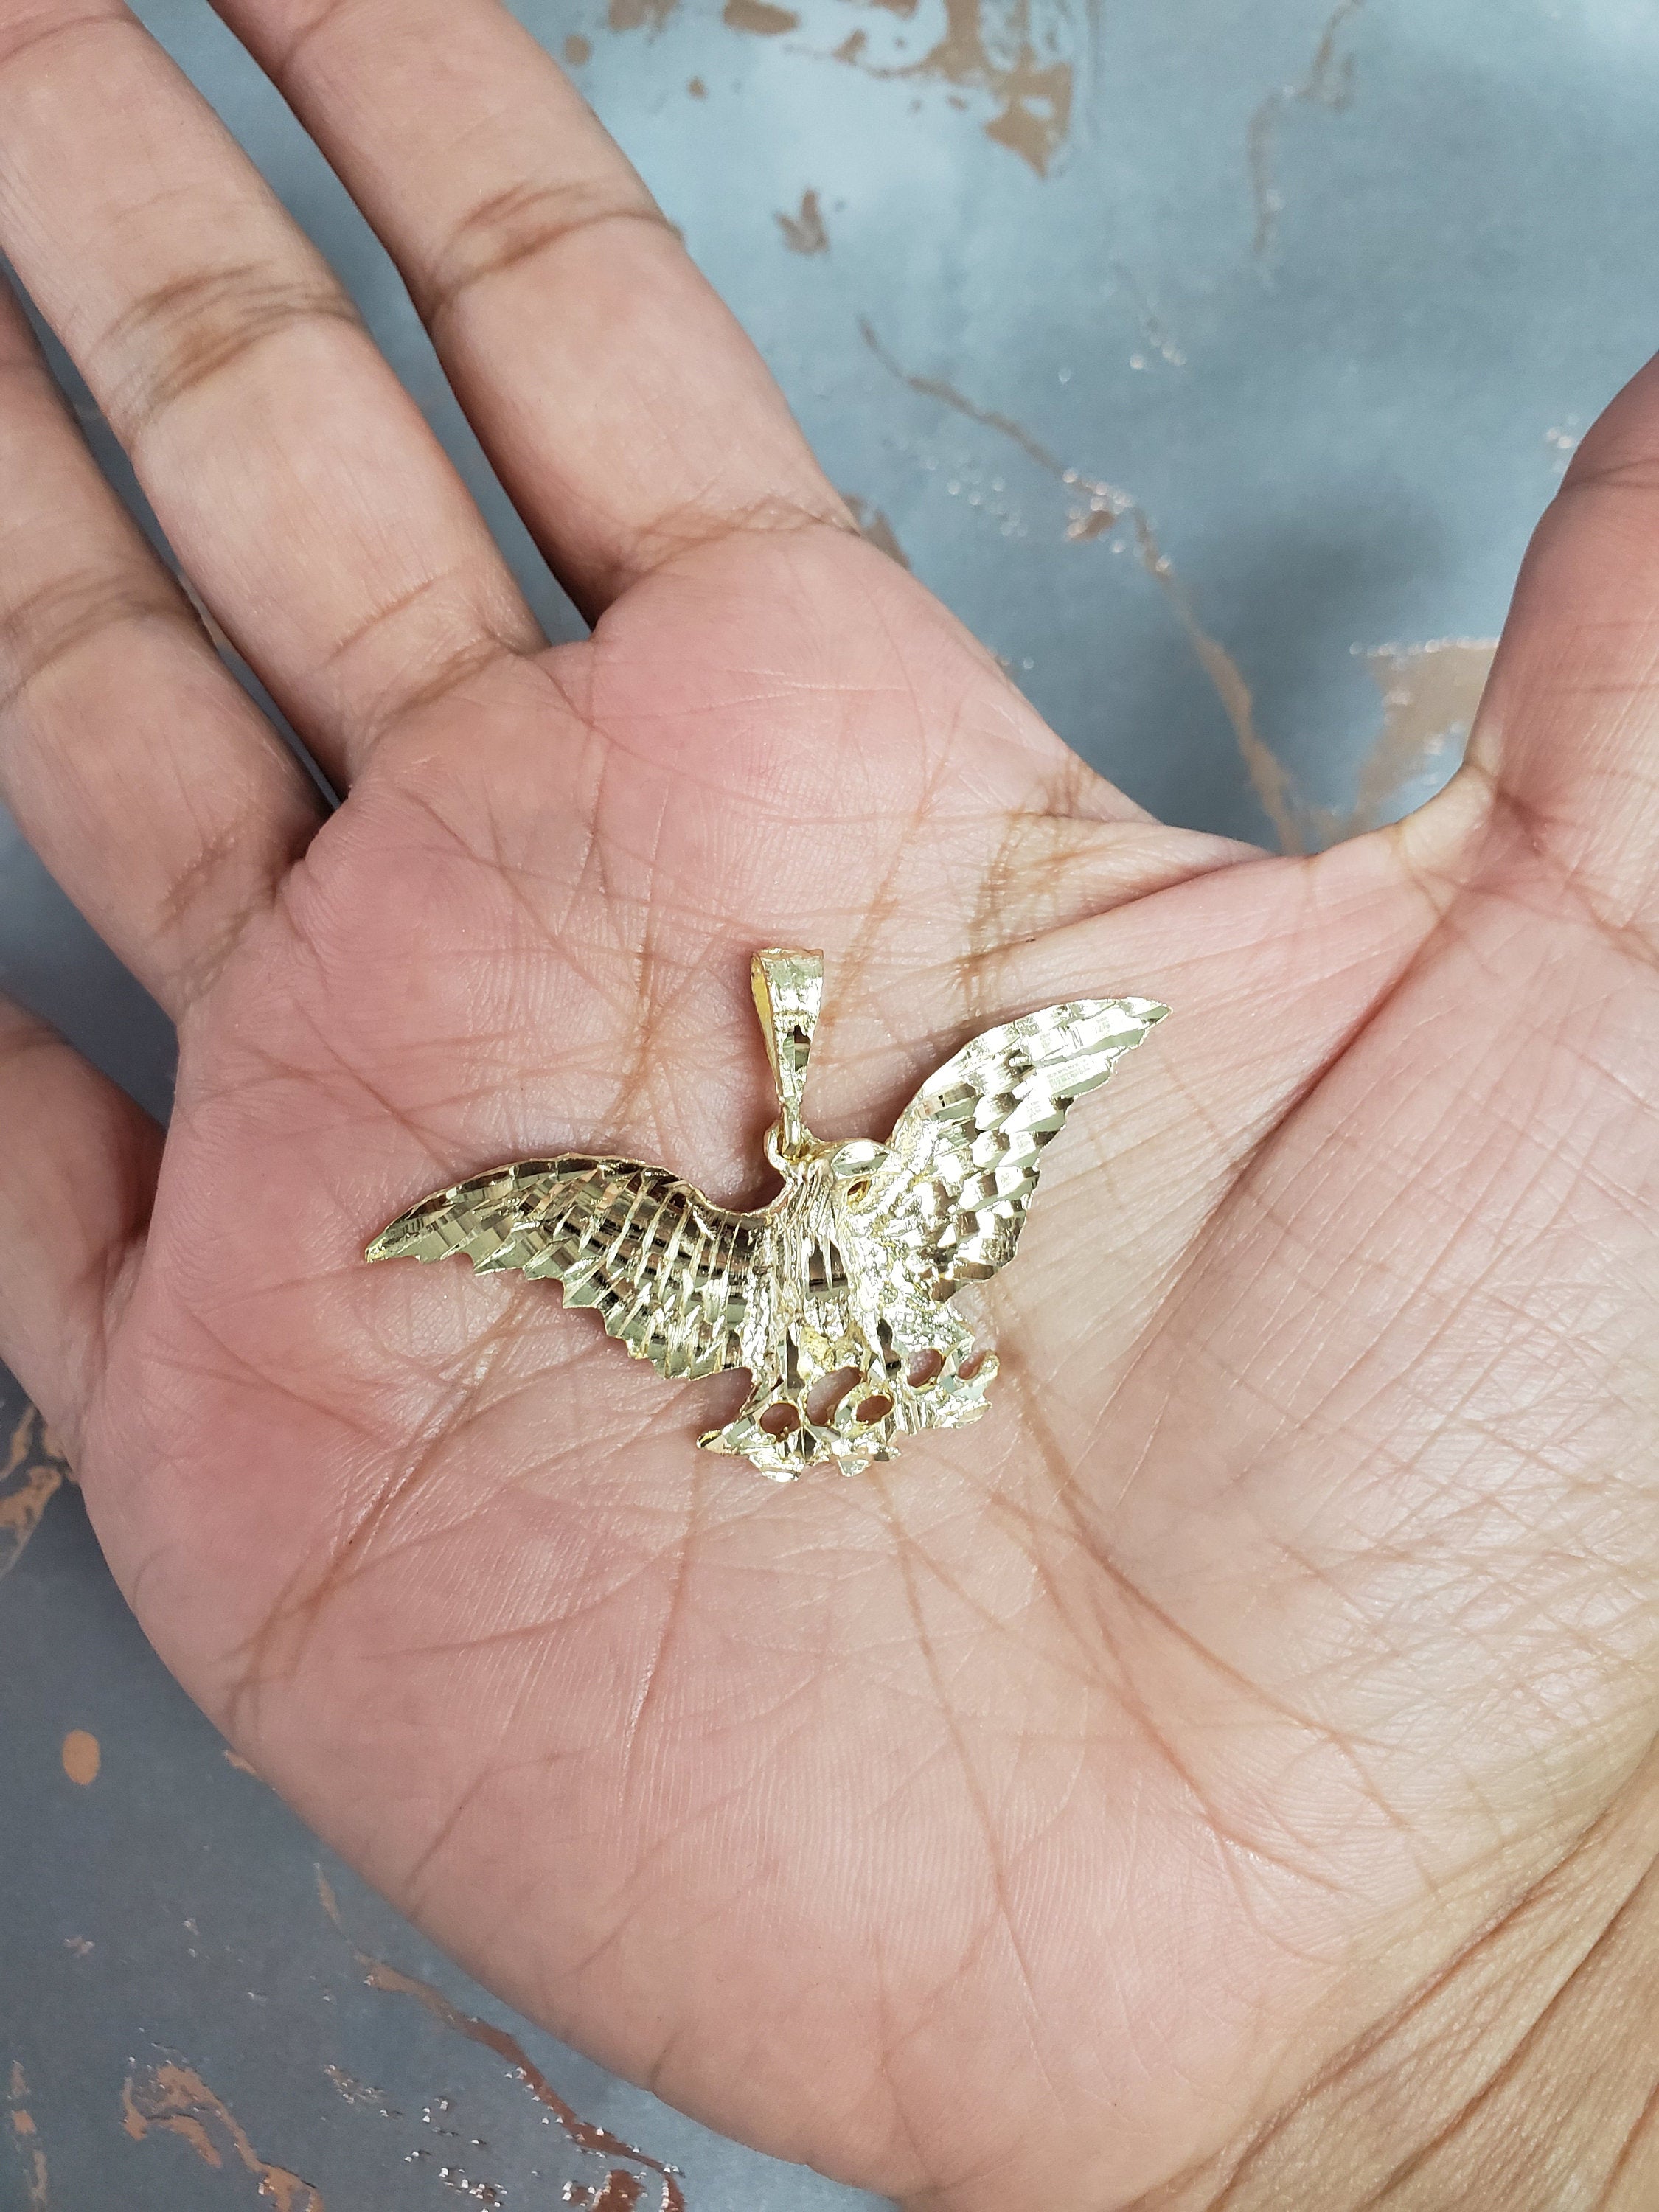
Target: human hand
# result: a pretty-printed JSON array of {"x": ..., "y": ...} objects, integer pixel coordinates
[{"x": 1033, "y": 1818}]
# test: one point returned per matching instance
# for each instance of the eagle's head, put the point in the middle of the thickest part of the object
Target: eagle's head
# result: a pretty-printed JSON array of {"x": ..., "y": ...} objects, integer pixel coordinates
[
  {"x": 846, "y": 1181},
  {"x": 854, "y": 1170}
]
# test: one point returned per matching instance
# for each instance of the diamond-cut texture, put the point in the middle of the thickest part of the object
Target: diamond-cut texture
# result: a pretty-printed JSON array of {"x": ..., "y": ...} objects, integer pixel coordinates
[{"x": 847, "y": 1269}]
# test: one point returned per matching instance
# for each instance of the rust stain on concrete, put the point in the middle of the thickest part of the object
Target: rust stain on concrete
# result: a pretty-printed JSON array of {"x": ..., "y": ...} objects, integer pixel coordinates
[
  {"x": 174, "y": 2097},
  {"x": 35, "y": 1469},
  {"x": 1035, "y": 90},
  {"x": 617, "y": 2192},
  {"x": 1017, "y": 65},
  {"x": 26, "y": 2142},
  {"x": 992, "y": 47},
  {"x": 621, "y": 2193},
  {"x": 82, "y": 1756},
  {"x": 936, "y": 387},
  {"x": 1329, "y": 84},
  {"x": 804, "y": 232},
  {"x": 1036, "y": 111},
  {"x": 1098, "y": 511},
  {"x": 759, "y": 18},
  {"x": 584, "y": 2135},
  {"x": 1270, "y": 780},
  {"x": 638, "y": 14},
  {"x": 1430, "y": 695}
]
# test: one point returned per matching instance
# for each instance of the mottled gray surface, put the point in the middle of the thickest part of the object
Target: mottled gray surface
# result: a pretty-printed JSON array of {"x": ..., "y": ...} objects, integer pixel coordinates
[{"x": 1314, "y": 305}]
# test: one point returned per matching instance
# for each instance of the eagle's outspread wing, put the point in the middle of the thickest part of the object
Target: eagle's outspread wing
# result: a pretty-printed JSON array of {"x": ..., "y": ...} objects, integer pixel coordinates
[
  {"x": 965, "y": 1157},
  {"x": 670, "y": 1273}
]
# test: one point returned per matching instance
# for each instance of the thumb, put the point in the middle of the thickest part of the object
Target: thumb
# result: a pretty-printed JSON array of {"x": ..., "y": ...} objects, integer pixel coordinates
[{"x": 1568, "y": 735}]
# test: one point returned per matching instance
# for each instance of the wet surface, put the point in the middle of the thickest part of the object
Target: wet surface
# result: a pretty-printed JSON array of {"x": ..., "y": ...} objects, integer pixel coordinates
[{"x": 1213, "y": 364}]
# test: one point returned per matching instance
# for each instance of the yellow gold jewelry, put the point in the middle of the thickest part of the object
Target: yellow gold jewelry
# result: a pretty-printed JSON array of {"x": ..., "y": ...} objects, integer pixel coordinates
[{"x": 834, "y": 1295}]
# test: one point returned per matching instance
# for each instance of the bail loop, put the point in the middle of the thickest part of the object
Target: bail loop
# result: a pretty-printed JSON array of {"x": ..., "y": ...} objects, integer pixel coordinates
[{"x": 789, "y": 986}]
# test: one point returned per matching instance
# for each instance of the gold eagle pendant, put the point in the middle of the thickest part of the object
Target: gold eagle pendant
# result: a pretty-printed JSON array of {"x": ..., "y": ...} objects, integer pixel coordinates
[{"x": 834, "y": 1295}]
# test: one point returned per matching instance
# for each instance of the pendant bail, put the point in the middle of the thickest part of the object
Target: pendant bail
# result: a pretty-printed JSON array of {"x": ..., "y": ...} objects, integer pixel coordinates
[{"x": 789, "y": 985}]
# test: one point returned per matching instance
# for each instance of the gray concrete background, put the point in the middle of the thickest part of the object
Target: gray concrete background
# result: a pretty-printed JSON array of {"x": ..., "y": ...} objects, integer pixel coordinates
[{"x": 1212, "y": 359}]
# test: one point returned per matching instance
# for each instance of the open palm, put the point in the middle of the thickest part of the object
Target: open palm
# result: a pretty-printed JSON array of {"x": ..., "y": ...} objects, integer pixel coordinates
[{"x": 1025, "y": 1820}]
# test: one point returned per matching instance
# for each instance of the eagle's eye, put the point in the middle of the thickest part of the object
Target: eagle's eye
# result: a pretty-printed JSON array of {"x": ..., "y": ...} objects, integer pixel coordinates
[{"x": 851, "y": 1166}]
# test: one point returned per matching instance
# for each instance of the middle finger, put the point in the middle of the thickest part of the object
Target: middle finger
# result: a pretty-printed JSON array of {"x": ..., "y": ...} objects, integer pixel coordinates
[
  {"x": 297, "y": 482},
  {"x": 625, "y": 410}
]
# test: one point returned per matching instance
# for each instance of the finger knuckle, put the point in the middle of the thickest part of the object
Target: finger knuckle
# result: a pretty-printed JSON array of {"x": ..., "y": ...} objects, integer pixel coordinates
[
  {"x": 513, "y": 228},
  {"x": 197, "y": 328}
]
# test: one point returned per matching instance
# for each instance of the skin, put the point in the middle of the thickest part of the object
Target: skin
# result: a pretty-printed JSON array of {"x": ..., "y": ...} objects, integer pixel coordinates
[{"x": 1216, "y": 1772}]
